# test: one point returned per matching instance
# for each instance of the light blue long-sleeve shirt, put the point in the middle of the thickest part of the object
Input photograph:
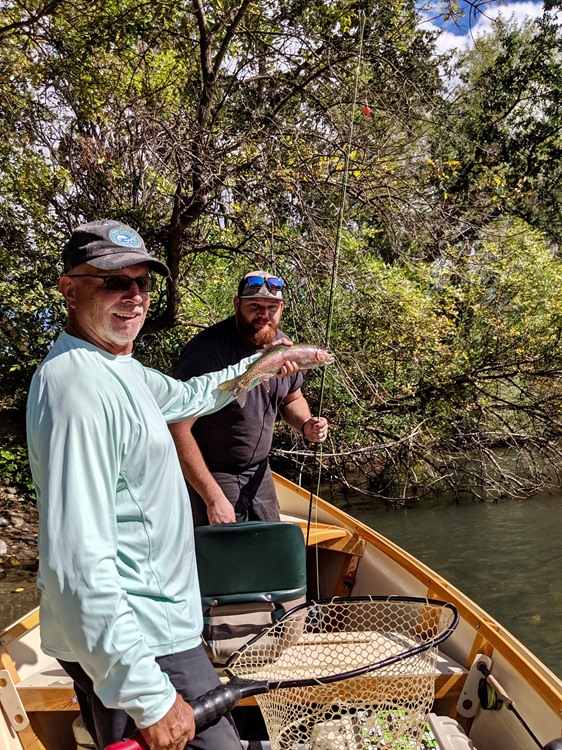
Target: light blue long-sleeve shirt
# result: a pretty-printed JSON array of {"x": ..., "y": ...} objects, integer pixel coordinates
[{"x": 117, "y": 569}]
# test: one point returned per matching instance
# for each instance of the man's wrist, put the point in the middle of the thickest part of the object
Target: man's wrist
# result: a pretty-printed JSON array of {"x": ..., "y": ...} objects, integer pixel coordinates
[{"x": 302, "y": 428}]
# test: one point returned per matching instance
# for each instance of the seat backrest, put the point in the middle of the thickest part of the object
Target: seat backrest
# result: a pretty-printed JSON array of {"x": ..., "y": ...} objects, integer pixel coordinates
[{"x": 250, "y": 573}]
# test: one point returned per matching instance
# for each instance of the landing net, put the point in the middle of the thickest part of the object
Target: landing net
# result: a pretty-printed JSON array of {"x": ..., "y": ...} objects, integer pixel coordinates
[{"x": 348, "y": 674}]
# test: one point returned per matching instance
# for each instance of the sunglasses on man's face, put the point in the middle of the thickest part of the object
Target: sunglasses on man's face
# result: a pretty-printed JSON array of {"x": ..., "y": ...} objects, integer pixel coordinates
[
  {"x": 273, "y": 283},
  {"x": 120, "y": 283}
]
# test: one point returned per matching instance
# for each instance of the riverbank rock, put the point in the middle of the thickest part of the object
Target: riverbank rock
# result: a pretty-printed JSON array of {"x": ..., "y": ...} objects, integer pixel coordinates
[{"x": 18, "y": 531}]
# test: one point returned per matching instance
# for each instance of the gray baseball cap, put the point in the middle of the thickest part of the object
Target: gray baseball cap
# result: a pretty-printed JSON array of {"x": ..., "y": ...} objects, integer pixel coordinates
[
  {"x": 260, "y": 285},
  {"x": 108, "y": 245}
]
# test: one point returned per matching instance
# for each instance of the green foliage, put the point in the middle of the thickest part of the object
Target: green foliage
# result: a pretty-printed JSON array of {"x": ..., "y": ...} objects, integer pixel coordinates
[
  {"x": 14, "y": 466},
  {"x": 222, "y": 132},
  {"x": 498, "y": 146},
  {"x": 436, "y": 361}
]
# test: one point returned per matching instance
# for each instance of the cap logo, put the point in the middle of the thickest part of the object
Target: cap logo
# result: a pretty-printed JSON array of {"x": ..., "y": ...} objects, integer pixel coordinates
[{"x": 125, "y": 237}]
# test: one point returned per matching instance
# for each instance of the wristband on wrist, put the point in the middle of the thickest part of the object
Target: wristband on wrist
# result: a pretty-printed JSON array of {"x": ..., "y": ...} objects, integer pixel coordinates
[{"x": 302, "y": 427}]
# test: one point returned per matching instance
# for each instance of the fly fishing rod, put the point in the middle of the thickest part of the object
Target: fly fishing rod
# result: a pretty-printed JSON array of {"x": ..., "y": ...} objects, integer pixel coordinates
[{"x": 317, "y": 456}]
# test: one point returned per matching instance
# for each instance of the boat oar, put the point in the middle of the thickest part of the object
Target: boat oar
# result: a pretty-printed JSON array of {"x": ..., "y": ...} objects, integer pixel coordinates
[{"x": 207, "y": 708}]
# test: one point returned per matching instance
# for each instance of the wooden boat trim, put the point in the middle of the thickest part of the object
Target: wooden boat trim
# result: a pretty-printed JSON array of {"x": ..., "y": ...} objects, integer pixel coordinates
[
  {"x": 333, "y": 537},
  {"x": 488, "y": 630},
  {"x": 56, "y": 698},
  {"x": 23, "y": 626}
]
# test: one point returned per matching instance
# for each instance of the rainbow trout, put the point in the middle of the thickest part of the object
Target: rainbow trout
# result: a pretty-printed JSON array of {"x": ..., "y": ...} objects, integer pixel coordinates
[{"x": 265, "y": 367}]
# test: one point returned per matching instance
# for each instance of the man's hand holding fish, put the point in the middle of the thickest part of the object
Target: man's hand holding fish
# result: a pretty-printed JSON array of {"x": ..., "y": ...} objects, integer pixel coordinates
[{"x": 279, "y": 360}]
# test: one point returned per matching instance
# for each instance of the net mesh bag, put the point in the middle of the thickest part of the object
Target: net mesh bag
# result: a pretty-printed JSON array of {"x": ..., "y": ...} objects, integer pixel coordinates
[{"x": 348, "y": 674}]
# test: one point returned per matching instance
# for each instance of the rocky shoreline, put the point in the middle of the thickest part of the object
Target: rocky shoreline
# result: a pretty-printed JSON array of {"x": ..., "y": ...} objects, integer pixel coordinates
[{"x": 19, "y": 526}]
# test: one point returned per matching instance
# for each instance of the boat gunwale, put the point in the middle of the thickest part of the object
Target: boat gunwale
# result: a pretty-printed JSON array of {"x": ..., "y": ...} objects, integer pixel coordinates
[{"x": 546, "y": 684}]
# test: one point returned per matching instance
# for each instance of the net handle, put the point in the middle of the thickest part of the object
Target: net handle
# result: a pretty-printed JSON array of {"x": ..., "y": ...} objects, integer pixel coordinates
[
  {"x": 208, "y": 707},
  {"x": 328, "y": 679}
]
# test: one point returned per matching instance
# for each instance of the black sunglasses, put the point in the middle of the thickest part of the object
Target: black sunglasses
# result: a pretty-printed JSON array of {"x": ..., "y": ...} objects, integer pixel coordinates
[
  {"x": 120, "y": 283},
  {"x": 273, "y": 283}
]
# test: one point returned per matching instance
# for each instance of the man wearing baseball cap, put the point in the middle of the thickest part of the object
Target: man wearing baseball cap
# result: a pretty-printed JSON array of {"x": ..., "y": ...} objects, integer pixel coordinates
[
  {"x": 120, "y": 602},
  {"x": 224, "y": 456}
]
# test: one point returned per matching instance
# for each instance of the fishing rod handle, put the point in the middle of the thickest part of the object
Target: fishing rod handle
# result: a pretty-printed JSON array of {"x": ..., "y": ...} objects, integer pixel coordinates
[{"x": 135, "y": 743}]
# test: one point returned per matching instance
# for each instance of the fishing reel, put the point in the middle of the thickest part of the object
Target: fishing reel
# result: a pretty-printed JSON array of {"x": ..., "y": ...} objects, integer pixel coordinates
[{"x": 492, "y": 697}]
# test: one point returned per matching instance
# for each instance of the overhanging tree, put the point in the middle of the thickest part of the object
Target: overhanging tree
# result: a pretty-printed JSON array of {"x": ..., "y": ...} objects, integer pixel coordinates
[
  {"x": 221, "y": 133},
  {"x": 217, "y": 129}
]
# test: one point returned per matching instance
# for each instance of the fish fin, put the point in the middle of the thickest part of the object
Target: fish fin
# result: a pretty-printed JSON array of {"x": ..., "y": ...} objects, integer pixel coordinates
[
  {"x": 238, "y": 391},
  {"x": 227, "y": 385},
  {"x": 265, "y": 383}
]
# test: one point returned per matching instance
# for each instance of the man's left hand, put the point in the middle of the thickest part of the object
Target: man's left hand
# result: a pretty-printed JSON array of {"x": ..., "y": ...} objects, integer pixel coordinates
[
  {"x": 315, "y": 429},
  {"x": 289, "y": 368}
]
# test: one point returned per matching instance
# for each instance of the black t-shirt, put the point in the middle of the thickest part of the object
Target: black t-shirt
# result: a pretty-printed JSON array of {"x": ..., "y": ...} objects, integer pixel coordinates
[{"x": 233, "y": 438}]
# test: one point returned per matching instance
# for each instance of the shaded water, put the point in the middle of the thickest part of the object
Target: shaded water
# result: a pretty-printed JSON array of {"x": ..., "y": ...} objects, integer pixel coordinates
[
  {"x": 18, "y": 595},
  {"x": 507, "y": 557}
]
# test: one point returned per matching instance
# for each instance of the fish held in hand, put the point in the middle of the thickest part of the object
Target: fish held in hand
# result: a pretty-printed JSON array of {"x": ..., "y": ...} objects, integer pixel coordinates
[{"x": 307, "y": 357}]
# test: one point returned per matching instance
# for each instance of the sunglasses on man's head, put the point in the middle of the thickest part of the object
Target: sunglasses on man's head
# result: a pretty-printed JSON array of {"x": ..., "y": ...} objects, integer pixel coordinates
[
  {"x": 273, "y": 283},
  {"x": 119, "y": 283}
]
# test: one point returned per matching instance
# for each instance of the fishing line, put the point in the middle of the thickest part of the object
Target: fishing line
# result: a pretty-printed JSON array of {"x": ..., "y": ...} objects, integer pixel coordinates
[{"x": 335, "y": 266}]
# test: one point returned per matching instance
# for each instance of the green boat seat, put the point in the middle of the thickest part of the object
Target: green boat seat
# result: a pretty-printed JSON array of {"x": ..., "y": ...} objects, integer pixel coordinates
[
  {"x": 251, "y": 561},
  {"x": 250, "y": 574}
]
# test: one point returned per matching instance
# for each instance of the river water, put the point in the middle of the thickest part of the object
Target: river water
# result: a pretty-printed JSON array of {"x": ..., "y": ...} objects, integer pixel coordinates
[
  {"x": 507, "y": 557},
  {"x": 18, "y": 595}
]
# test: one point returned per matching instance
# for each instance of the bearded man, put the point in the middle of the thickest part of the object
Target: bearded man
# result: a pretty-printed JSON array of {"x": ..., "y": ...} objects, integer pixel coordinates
[{"x": 225, "y": 456}]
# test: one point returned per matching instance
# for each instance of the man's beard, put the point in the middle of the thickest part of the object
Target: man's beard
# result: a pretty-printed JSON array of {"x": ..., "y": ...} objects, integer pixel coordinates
[{"x": 256, "y": 338}]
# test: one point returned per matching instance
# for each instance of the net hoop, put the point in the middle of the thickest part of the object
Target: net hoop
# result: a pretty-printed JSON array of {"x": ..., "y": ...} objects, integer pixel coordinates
[
  {"x": 238, "y": 656},
  {"x": 348, "y": 673}
]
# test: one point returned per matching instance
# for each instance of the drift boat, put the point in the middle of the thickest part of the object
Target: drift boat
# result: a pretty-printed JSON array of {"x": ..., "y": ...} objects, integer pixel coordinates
[{"x": 488, "y": 691}]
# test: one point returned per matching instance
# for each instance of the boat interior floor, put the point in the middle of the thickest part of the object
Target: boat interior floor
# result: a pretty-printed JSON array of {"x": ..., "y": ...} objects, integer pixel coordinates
[{"x": 442, "y": 733}]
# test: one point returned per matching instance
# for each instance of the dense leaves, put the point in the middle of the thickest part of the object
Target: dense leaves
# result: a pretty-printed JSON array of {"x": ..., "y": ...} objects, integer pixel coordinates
[
  {"x": 319, "y": 140},
  {"x": 499, "y": 144}
]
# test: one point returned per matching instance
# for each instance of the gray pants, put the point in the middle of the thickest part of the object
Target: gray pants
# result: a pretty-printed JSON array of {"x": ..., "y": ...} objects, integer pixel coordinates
[
  {"x": 191, "y": 673},
  {"x": 251, "y": 492}
]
